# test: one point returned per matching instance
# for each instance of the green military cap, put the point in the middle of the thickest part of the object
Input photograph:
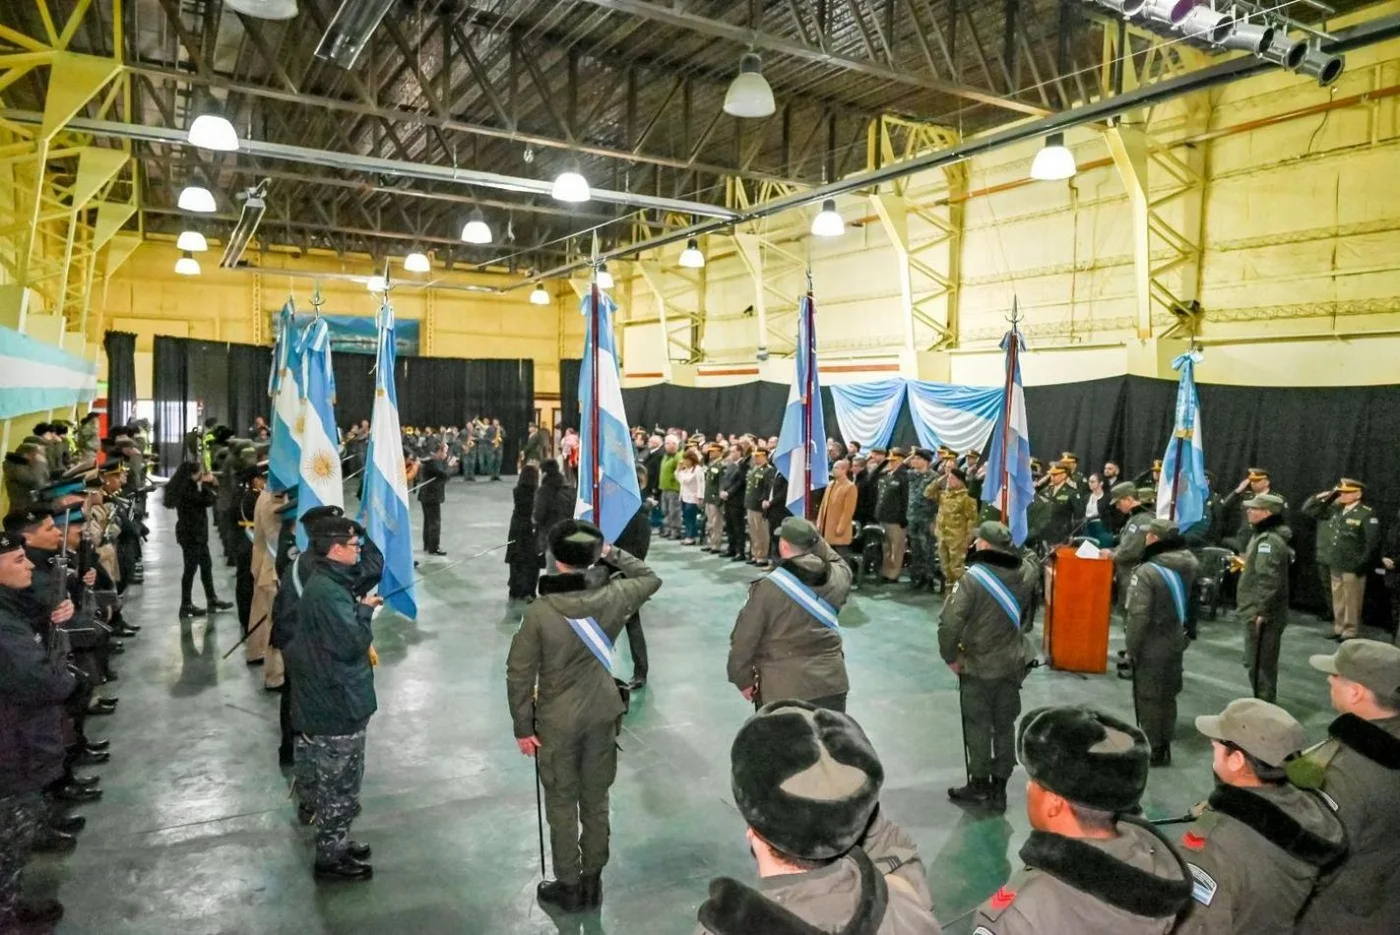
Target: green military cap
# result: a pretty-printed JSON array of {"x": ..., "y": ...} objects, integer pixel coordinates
[
  {"x": 1367, "y": 662},
  {"x": 1266, "y": 501},
  {"x": 1263, "y": 730},
  {"x": 799, "y": 532},
  {"x": 896, "y": 452},
  {"x": 995, "y": 534},
  {"x": 1123, "y": 491},
  {"x": 1162, "y": 528},
  {"x": 1350, "y": 485},
  {"x": 922, "y": 453}
]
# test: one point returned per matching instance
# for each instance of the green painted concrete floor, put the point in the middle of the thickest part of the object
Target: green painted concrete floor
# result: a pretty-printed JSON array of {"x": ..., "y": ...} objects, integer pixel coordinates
[{"x": 196, "y": 833}]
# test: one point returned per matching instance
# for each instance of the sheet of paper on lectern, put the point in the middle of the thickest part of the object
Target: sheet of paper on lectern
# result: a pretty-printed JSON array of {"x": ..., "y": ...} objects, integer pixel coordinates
[{"x": 1087, "y": 550}]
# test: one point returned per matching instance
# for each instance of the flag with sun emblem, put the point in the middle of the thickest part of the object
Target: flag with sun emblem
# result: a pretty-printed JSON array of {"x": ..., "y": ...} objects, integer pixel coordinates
[
  {"x": 320, "y": 477},
  {"x": 285, "y": 453}
]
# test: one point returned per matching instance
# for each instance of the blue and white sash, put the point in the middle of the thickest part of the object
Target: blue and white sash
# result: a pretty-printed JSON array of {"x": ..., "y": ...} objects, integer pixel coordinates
[
  {"x": 998, "y": 591},
  {"x": 595, "y": 638},
  {"x": 805, "y": 597},
  {"x": 1178, "y": 589}
]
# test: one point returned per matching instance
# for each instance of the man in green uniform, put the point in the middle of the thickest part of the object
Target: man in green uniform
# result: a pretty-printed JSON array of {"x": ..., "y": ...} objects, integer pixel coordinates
[
  {"x": 957, "y": 520},
  {"x": 1358, "y": 767},
  {"x": 1261, "y": 599},
  {"x": 757, "y": 485},
  {"x": 892, "y": 513},
  {"x": 1132, "y": 538},
  {"x": 1156, "y": 610},
  {"x": 981, "y": 638},
  {"x": 564, "y": 700},
  {"x": 1348, "y": 536},
  {"x": 1061, "y": 508},
  {"x": 1233, "y": 520},
  {"x": 1257, "y": 850},
  {"x": 919, "y": 514},
  {"x": 714, "y": 506}
]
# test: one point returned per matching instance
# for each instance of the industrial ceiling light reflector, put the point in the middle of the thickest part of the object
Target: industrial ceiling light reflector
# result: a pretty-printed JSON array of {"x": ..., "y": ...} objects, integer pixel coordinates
[
  {"x": 377, "y": 284},
  {"x": 1125, "y": 8},
  {"x": 605, "y": 278},
  {"x": 476, "y": 230},
  {"x": 691, "y": 257},
  {"x": 1054, "y": 162},
  {"x": 1170, "y": 12},
  {"x": 1249, "y": 37},
  {"x": 348, "y": 34},
  {"x": 263, "y": 9},
  {"x": 539, "y": 295},
  {"x": 191, "y": 242},
  {"x": 828, "y": 222},
  {"x": 1284, "y": 51},
  {"x": 187, "y": 265},
  {"x": 196, "y": 198},
  {"x": 749, "y": 94},
  {"x": 571, "y": 186},
  {"x": 1324, "y": 66},
  {"x": 213, "y": 131},
  {"x": 254, "y": 206},
  {"x": 1207, "y": 25},
  {"x": 416, "y": 262}
]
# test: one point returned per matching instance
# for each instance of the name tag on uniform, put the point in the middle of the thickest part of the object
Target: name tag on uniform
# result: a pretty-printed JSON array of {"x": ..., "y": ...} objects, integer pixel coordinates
[
  {"x": 1203, "y": 885},
  {"x": 1264, "y": 549}
]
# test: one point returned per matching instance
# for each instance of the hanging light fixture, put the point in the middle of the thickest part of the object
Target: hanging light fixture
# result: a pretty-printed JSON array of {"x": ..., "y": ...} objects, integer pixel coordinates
[
  {"x": 749, "y": 94},
  {"x": 1207, "y": 25},
  {"x": 196, "y": 198},
  {"x": 1249, "y": 37},
  {"x": 1284, "y": 51},
  {"x": 377, "y": 284},
  {"x": 571, "y": 186},
  {"x": 1125, "y": 8},
  {"x": 691, "y": 257},
  {"x": 1324, "y": 66},
  {"x": 210, "y": 129},
  {"x": 1170, "y": 12},
  {"x": 1054, "y": 162},
  {"x": 191, "y": 242},
  {"x": 187, "y": 265},
  {"x": 605, "y": 279},
  {"x": 539, "y": 295},
  {"x": 476, "y": 229},
  {"x": 828, "y": 222},
  {"x": 416, "y": 262},
  {"x": 263, "y": 9}
]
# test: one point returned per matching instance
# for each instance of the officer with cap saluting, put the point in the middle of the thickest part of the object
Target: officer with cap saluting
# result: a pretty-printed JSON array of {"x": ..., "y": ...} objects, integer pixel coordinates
[
  {"x": 1358, "y": 767},
  {"x": 1348, "y": 537},
  {"x": 1088, "y": 866},
  {"x": 1261, "y": 597},
  {"x": 1257, "y": 850}
]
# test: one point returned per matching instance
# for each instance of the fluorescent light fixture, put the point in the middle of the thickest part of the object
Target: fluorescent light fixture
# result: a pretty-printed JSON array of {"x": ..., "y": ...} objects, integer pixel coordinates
[
  {"x": 187, "y": 265},
  {"x": 571, "y": 186},
  {"x": 539, "y": 295},
  {"x": 263, "y": 9},
  {"x": 691, "y": 257},
  {"x": 377, "y": 284},
  {"x": 1169, "y": 12},
  {"x": 605, "y": 279},
  {"x": 476, "y": 230},
  {"x": 213, "y": 131},
  {"x": 1054, "y": 162},
  {"x": 828, "y": 223},
  {"x": 254, "y": 206},
  {"x": 191, "y": 242},
  {"x": 197, "y": 198},
  {"x": 749, "y": 94},
  {"x": 416, "y": 262},
  {"x": 348, "y": 34}
]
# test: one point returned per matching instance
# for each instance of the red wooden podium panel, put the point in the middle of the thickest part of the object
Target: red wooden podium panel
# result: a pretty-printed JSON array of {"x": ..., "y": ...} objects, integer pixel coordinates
[{"x": 1078, "y": 597}]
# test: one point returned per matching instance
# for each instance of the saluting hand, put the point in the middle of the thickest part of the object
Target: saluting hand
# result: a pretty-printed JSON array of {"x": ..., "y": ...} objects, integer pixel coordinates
[
  {"x": 1243, "y": 484},
  {"x": 528, "y": 745}
]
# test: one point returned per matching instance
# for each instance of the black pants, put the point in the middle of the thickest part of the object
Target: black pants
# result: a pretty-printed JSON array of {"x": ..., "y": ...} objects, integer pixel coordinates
[
  {"x": 835, "y": 702},
  {"x": 734, "y": 528},
  {"x": 637, "y": 641},
  {"x": 284, "y": 714},
  {"x": 243, "y": 590},
  {"x": 524, "y": 574},
  {"x": 432, "y": 526},
  {"x": 197, "y": 558}
]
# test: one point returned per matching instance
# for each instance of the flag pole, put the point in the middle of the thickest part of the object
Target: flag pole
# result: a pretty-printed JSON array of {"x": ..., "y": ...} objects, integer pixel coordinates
[
  {"x": 596, "y": 459},
  {"x": 1011, "y": 351},
  {"x": 808, "y": 434}
]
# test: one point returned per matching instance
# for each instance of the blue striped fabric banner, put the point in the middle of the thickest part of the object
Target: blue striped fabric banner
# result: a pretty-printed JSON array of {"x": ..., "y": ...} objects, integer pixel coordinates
[{"x": 35, "y": 376}]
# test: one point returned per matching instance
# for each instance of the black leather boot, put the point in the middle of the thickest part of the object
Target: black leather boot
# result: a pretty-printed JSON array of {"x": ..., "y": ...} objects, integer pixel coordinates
[
  {"x": 1161, "y": 756},
  {"x": 345, "y": 870},
  {"x": 997, "y": 800},
  {"x": 592, "y": 886},
  {"x": 566, "y": 896},
  {"x": 977, "y": 792}
]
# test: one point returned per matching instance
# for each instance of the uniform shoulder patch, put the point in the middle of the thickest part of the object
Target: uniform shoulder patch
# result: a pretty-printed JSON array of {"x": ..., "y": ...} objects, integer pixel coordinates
[
  {"x": 1193, "y": 841},
  {"x": 1002, "y": 898},
  {"x": 1264, "y": 548},
  {"x": 1203, "y": 885}
]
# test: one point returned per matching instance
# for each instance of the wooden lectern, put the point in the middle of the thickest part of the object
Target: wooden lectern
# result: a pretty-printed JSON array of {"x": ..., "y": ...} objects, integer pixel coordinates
[{"x": 1078, "y": 597}]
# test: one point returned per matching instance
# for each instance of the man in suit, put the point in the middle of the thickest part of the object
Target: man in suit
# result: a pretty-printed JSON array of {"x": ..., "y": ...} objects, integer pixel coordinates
[{"x": 432, "y": 491}]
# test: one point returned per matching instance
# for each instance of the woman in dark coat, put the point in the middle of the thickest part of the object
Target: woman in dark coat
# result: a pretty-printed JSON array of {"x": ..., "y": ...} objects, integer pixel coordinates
[
  {"x": 521, "y": 555},
  {"x": 190, "y": 494},
  {"x": 554, "y": 503}
]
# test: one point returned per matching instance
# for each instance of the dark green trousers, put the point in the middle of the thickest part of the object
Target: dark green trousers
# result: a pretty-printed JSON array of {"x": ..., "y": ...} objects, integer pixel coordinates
[
  {"x": 577, "y": 770},
  {"x": 989, "y": 711},
  {"x": 1261, "y": 655},
  {"x": 1156, "y": 714}
]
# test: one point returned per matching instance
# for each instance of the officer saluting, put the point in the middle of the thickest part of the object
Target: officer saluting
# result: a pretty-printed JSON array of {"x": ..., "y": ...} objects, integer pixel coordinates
[
  {"x": 1348, "y": 535},
  {"x": 1088, "y": 867}
]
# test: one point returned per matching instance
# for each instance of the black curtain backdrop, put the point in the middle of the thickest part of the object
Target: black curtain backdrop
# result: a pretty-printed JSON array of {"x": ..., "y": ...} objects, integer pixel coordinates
[
  {"x": 569, "y": 369},
  {"x": 170, "y": 391},
  {"x": 249, "y": 366},
  {"x": 198, "y": 380},
  {"x": 121, "y": 376}
]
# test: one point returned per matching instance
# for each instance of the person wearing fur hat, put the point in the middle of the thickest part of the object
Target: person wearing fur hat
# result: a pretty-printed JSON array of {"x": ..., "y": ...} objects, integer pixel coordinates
[
  {"x": 807, "y": 782},
  {"x": 1261, "y": 597},
  {"x": 1088, "y": 865},
  {"x": 981, "y": 638},
  {"x": 1158, "y": 626},
  {"x": 1261, "y": 844},
  {"x": 564, "y": 700}
]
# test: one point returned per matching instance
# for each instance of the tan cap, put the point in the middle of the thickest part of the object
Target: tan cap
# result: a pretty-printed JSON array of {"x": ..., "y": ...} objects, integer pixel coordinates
[
  {"x": 1264, "y": 731},
  {"x": 1367, "y": 662}
]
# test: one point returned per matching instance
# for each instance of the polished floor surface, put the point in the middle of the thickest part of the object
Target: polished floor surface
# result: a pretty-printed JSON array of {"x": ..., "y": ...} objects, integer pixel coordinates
[{"x": 196, "y": 834}]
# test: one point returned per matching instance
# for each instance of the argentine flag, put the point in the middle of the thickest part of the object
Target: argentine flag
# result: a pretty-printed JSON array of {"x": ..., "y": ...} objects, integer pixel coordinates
[
  {"x": 319, "y": 468},
  {"x": 803, "y": 436},
  {"x": 615, "y": 468},
  {"x": 1011, "y": 447},
  {"x": 1182, "y": 490},
  {"x": 384, "y": 509},
  {"x": 284, "y": 457}
]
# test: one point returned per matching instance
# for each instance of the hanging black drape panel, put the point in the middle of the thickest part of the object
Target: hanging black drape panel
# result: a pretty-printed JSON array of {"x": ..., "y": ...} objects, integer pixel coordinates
[
  {"x": 569, "y": 369},
  {"x": 354, "y": 388},
  {"x": 170, "y": 392},
  {"x": 249, "y": 366},
  {"x": 432, "y": 391},
  {"x": 755, "y": 407},
  {"x": 505, "y": 390},
  {"x": 121, "y": 376}
]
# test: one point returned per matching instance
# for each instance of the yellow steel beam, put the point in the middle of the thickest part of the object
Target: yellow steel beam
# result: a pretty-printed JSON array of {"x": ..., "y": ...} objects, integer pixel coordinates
[
  {"x": 111, "y": 215},
  {"x": 96, "y": 167},
  {"x": 74, "y": 20},
  {"x": 73, "y": 81},
  {"x": 18, "y": 38},
  {"x": 47, "y": 17}
]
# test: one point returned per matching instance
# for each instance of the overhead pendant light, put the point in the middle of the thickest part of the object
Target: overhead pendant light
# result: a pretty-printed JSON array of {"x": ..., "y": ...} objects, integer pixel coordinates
[
  {"x": 749, "y": 94},
  {"x": 1284, "y": 51},
  {"x": 1207, "y": 25},
  {"x": 191, "y": 242},
  {"x": 377, "y": 284},
  {"x": 212, "y": 130},
  {"x": 1168, "y": 12},
  {"x": 828, "y": 222},
  {"x": 1249, "y": 37},
  {"x": 263, "y": 9},
  {"x": 605, "y": 279},
  {"x": 1125, "y": 8},
  {"x": 476, "y": 229},
  {"x": 416, "y": 262},
  {"x": 539, "y": 295},
  {"x": 196, "y": 198},
  {"x": 571, "y": 186},
  {"x": 1324, "y": 66},
  {"x": 1054, "y": 162},
  {"x": 691, "y": 257},
  {"x": 187, "y": 265}
]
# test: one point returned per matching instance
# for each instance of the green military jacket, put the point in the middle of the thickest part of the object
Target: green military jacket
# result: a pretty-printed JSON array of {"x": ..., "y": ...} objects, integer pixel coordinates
[
  {"x": 758, "y": 485},
  {"x": 1132, "y": 541},
  {"x": 1056, "y": 512},
  {"x": 957, "y": 518},
  {"x": 713, "y": 472},
  {"x": 1263, "y": 585},
  {"x": 332, "y": 682},
  {"x": 1156, "y": 634},
  {"x": 1347, "y": 539},
  {"x": 1255, "y": 856},
  {"x": 976, "y": 632},
  {"x": 1232, "y": 511},
  {"x": 554, "y": 683}
]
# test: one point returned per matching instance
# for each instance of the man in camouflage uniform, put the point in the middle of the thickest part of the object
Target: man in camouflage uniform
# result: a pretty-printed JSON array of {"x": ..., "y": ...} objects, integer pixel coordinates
[
  {"x": 1348, "y": 537},
  {"x": 1261, "y": 599},
  {"x": 957, "y": 518},
  {"x": 920, "y": 512}
]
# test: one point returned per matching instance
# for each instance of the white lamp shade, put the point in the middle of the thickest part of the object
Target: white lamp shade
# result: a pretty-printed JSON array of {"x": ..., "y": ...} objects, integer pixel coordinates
[
  {"x": 187, "y": 266},
  {"x": 691, "y": 257},
  {"x": 828, "y": 223},
  {"x": 749, "y": 94},
  {"x": 539, "y": 295},
  {"x": 264, "y": 9},
  {"x": 377, "y": 284},
  {"x": 196, "y": 198},
  {"x": 417, "y": 263},
  {"x": 476, "y": 229},
  {"x": 605, "y": 279},
  {"x": 571, "y": 186},
  {"x": 1054, "y": 162},
  {"x": 192, "y": 242},
  {"x": 213, "y": 131}
]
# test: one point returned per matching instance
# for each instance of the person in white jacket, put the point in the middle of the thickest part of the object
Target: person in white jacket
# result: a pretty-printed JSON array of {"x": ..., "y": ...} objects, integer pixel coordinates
[{"x": 691, "y": 475}]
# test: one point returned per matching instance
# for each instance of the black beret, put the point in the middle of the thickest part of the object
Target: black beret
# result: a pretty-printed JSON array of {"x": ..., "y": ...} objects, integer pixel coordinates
[
  {"x": 1084, "y": 755},
  {"x": 10, "y": 542},
  {"x": 333, "y": 528},
  {"x": 19, "y": 520},
  {"x": 575, "y": 542}
]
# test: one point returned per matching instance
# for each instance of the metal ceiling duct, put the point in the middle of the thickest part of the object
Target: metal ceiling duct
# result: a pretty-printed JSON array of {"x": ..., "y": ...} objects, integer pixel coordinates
[
  {"x": 254, "y": 206},
  {"x": 1168, "y": 12},
  {"x": 349, "y": 31}
]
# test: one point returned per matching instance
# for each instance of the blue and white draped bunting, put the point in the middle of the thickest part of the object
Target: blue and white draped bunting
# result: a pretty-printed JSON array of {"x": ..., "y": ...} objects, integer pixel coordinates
[
  {"x": 802, "y": 441},
  {"x": 961, "y": 417},
  {"x": 1182, "y": 489},
  {"x": 320, "y": 481},
  {"x": 867, "y": 412},
  {"x": 616, "y": 467},
  {"x": 37, "y": 377}
]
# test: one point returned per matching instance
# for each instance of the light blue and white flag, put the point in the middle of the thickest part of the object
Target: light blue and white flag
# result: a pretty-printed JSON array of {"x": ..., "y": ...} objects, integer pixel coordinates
[
  {"x": 384, "y": 506},
  {"x": 612, "y": 463},
  {"x": 36, "y": 376},
  {"x": 1009, "y": 463},
  {"x": 801, "y": 453},
  {"x": 1182, "y": 490},
  {"x": 284, "y": 457},
  {"x": 319, "y": 469}
]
